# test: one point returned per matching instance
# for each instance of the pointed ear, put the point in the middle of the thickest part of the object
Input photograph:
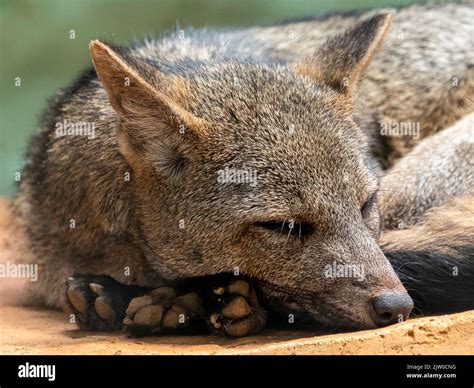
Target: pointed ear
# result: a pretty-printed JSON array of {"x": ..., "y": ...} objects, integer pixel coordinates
[
  {"x": 340, "y": 62},
  {"x": 148, "y": 117}
]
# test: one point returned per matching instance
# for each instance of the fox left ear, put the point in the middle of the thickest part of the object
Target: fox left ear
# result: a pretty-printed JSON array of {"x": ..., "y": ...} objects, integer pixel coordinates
[{"x": 341, "y": 60}]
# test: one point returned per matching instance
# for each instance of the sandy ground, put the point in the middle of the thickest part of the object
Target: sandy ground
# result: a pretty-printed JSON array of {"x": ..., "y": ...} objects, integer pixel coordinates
[
  {"x": 30, "y": 331},
  {"x": 34, "y": 331}
]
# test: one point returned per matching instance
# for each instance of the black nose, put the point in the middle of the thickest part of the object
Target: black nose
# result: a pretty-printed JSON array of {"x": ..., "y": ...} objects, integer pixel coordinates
[{"x": 391, "y": 307}]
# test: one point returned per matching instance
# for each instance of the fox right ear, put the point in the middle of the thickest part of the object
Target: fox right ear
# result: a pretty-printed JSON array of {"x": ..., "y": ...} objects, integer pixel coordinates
[
  {"x": 149, "y": 106},
  {"x": 340, "y": 62}
]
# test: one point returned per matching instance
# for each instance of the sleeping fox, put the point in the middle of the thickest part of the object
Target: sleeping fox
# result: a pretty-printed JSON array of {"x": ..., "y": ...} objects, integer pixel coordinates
[{"x": 321, "y": 168}]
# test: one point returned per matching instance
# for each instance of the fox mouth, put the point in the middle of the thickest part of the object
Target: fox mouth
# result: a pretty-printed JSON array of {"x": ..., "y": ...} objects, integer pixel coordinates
[
  {"x": 281, "y": 297},
  {"x": 309, "y": 307}
]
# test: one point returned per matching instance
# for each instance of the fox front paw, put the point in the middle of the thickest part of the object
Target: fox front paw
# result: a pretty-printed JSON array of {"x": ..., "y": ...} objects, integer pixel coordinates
[
  {"x": 237, "y": 311},
  {"x": 163, "y": 311},
  {"x": 97, "y": 303}
]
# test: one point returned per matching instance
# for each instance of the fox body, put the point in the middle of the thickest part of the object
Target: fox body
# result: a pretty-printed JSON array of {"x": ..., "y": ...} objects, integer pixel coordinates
[{"x": 299, "y": 108}]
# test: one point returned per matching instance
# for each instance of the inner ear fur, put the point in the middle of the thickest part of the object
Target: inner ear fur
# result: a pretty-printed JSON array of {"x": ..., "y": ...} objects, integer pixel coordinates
[{"x": 340, "y": 62}]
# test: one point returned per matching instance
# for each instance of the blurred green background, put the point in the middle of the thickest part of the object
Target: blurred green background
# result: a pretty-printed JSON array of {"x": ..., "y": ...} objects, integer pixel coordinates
[{"x": 36, "y": 46}]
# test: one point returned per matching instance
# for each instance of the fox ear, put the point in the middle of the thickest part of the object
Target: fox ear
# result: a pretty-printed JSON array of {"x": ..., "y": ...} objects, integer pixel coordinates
[
  {"x": 149, "y": 119},
  {"x": 341, "y": 60}
]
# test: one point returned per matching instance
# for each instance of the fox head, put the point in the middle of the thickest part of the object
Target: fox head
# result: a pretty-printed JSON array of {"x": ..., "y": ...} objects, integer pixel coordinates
[{"x": 260, "y": 170}]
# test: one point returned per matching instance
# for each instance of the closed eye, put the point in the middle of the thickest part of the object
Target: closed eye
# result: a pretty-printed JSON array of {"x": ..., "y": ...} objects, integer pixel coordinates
[
  {"x": 368, "y": 205},
  {"x": 287, "y": 227}
]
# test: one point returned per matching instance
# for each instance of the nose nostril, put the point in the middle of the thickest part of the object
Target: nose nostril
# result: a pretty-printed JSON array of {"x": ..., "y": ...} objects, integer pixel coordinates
[
  {"x": 386, "y": 316},
  {"x": 380, "y": 317},
  {"x": 390, "y": 307}
]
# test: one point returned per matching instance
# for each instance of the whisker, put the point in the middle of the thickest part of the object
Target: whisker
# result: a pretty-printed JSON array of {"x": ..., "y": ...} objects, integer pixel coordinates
[{"x": 291, "y": 226}]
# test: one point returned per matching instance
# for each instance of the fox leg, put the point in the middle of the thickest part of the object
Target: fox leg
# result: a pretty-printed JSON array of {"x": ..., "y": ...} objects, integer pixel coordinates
[
  {"x": 429, "y": 195},
  {"x": 97, "y": 302},
  {"x": 100, "y": 303},
  {"x": 234, "y": 309},
  {"x": 438, "y": 169},
  {"x": 228, "y": 307}
]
